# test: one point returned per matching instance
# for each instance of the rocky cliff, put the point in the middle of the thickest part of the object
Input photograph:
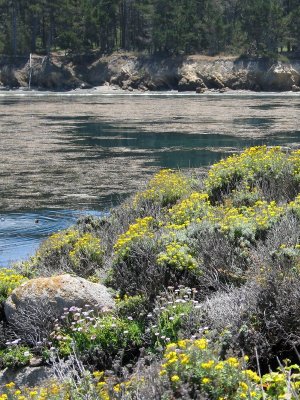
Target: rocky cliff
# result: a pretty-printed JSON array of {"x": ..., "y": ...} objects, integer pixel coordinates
[{"x": 130, "y": 72}]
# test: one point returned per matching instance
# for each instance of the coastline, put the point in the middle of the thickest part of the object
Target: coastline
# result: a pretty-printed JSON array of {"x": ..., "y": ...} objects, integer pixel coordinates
[{"x": 138, "y": 73}]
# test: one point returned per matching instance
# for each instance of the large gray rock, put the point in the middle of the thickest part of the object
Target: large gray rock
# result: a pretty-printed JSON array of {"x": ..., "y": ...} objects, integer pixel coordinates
[
  {"x": 27, "y": 376},
  {"x": 32, "y": 306}
]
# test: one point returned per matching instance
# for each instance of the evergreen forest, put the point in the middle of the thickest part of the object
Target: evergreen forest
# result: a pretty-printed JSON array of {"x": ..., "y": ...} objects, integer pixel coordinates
[{"x": 256, "y": 27}]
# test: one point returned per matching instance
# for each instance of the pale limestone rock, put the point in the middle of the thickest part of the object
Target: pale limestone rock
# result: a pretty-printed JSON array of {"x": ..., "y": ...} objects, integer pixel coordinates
[{"x": 281, "y": 77}]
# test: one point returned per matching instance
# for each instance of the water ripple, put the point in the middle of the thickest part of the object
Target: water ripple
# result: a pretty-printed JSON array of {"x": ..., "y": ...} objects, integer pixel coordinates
[{"x": 22, "y": 232}]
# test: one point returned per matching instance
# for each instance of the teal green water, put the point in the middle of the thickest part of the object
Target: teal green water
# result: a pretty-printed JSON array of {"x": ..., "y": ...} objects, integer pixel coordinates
[
  {"x": 169, "y": 150},
  {"x": 65, "y": 155}
]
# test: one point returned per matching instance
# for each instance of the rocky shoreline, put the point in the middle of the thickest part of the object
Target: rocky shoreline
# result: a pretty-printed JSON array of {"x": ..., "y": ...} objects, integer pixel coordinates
[{"x": 135, "y": 72}]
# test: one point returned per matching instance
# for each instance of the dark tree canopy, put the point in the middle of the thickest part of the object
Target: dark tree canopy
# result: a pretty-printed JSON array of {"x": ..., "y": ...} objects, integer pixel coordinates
[{"x": 255, "y": 27}]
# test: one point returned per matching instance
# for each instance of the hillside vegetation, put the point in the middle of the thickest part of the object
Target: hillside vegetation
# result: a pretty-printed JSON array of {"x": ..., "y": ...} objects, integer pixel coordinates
[
  {"x": 166, "y": 26},
  {"x": 206, "y": 281}
]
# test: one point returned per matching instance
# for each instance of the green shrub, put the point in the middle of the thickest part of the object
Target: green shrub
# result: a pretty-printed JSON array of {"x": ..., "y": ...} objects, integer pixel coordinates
[
  {"x": 134, "y": 306},
  {"x": 15, "y": 356},
  {"x": 93, "y": 336},
  {"x": 171, "y": 314}
]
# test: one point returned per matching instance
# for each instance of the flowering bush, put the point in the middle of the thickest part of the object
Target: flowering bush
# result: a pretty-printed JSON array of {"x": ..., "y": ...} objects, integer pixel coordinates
[
  {"x": 251, "y": 167},
  {"x": 191, "y": 209},
  {"x": 9, "y": 280},
  {"x": 165, "y": 188},
  {"x": 196, "y": 363},
  {"x": 88, "y": 248},
  {"x": 177, "y": 255},
  {"x": 141, "y": 229},
  {"x": 170, "y": 314},
  {"x": 85, "y": 331},
  {"x": 246, "y": 221},
  {"x": 294, "y": 159},
  {"x": 53, "y": 391},
  {"x": 80, "y": 252}
]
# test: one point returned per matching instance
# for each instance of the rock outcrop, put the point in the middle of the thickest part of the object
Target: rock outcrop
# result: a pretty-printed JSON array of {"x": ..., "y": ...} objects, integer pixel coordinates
[
  {"x": 131, "y": 72},
  {"x": 281, "y": 77}
]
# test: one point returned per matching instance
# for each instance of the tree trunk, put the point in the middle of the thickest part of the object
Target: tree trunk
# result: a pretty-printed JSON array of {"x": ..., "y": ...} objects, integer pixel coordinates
[{"x": 14, "y": 29}]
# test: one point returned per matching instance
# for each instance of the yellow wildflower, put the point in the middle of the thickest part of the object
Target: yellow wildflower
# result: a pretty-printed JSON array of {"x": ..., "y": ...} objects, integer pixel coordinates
[{"x": 175, "y": 378}]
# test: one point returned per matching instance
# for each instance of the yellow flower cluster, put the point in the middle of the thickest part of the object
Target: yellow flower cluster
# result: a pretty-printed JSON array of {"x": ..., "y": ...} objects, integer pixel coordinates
[
  {"x": 9, "y": 280},
  {"x": 295, "y": 161},
  {"x": 53, "y": 391},
  {"x": 284, "y": 384},
  {"x": 194, "y": 362},
  {"x": 236, "y": 220},
  {"x": 177, "y": 255},
  {"x": 191, "y": 209},
  {"x": 295, "y": 205},
  {"x": 141, "y": 229},
  {"x": 73, "y": 244},
  {"x": 166, "y": 187},
  {"x": 247, "y": 167},
  {"x": 58, "y": 241},
  {"x": 87, "y": 246}
]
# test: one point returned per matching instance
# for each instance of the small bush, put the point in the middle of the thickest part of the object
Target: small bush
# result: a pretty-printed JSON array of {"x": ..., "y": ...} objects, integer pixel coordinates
[
  {"x": 164, "y": 189},
  {"x": 134, "y": 306},
  {"x": 142, "y": 228},
  {"x": 69, "y": 251},
  {"x": 98, "y": 338},
  {"x": 261, "y": 314},
  {"x": 15, "y": 356},
  {"x": 137, "y": 273},
  {"x": 171, "y": 316}
]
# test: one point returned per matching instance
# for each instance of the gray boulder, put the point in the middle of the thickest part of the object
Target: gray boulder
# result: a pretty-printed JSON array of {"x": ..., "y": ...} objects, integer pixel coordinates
[
  {"x": 32, "y": 307},
  {"x": 27, "y": 376}
]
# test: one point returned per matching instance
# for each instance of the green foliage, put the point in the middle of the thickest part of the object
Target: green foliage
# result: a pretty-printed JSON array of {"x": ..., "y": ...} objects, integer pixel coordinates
[
  {"x": 175, "y": 27},
  {"x": 134, "y": 306},
  {"x": 85, "y": 332},
  {"x": 170, "y": 315},
  {"x": 15, "y": 356}
]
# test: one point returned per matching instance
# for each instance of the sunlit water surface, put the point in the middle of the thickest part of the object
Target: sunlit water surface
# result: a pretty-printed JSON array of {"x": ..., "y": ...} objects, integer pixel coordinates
[{"x": 67, "y": 154}]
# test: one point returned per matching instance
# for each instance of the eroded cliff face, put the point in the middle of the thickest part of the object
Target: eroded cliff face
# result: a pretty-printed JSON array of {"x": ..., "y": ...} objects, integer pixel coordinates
[{"x": 130, "y": 72}]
